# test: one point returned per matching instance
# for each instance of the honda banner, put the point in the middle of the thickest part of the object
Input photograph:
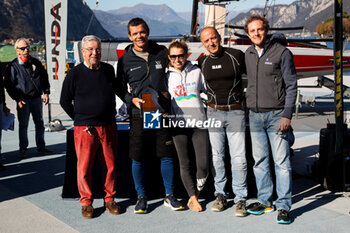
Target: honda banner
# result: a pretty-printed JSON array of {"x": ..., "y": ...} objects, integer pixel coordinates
[{"x": 56, "y": 37}]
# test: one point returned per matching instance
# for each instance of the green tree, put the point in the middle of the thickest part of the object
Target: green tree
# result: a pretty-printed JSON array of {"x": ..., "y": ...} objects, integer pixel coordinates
[{"x": 326, "y": 28}]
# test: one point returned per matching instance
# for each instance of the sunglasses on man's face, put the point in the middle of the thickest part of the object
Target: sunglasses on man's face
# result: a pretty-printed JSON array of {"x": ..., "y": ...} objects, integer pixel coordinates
[{"x": 24, "y": 48}]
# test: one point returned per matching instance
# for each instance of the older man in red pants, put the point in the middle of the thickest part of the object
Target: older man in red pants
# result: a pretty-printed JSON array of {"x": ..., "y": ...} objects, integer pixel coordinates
[{"x": 91, "y": 85}]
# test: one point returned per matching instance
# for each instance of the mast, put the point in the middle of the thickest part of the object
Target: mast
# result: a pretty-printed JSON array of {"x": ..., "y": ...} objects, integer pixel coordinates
[
  {"x": 92, "y": 17},
  {"x": 338, "y": 78},
  {"x": 338, "y": 67},
  {"x": 194, "y": 20}
]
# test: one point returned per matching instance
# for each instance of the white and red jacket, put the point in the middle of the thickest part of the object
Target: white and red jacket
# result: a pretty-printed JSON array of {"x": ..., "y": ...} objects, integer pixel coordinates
[{"x": 185, "y": 88}]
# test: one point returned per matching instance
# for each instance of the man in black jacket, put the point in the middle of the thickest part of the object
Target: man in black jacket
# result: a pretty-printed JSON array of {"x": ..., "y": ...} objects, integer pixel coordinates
[
  {"x": 92, "y": 87},
  {"x": 143, "y": 68},
  {"x": 25, "y": 81},
  {"x": 271, "y": 94},
  {"x": 222, "y": 71}
]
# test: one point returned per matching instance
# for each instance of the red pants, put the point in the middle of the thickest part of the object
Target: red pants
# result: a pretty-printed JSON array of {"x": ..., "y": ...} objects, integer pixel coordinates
[{"x": 86, "y": 147}]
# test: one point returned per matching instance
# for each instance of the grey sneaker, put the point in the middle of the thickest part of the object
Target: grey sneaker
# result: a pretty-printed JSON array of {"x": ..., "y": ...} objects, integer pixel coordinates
[
  {"x": 241, "y": 209},
  {"x": 219, "y": 204}
]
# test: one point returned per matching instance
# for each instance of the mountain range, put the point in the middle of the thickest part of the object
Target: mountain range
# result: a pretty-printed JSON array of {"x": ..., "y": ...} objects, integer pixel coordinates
[
  {"x": 25, "y": 18},
  {"x": 162, "y": 20},
  {"x": 307, "y": 13}
]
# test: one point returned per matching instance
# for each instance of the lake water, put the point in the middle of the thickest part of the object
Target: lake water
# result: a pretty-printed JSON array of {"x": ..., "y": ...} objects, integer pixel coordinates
[{"x": 346, "y": 45}]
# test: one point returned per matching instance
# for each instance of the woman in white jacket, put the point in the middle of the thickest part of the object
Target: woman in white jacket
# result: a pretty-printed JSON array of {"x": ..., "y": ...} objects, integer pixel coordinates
[{"x": 185, "y": 83}]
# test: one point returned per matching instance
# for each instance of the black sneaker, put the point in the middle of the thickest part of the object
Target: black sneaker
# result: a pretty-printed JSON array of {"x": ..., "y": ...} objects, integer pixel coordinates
[
  {"x": 141, "y": 205},
  {"x": 44, "y": 151},
  {"x": 283, "y": 217},
  {"x": 22, "y": 154},
  {"x": 173, "y": 203},
  {"x": 258, "y": 208}
]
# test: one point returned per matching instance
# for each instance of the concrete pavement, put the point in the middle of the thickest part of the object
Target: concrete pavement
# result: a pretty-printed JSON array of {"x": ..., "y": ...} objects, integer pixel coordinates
[{"x": 30, "y": 192}]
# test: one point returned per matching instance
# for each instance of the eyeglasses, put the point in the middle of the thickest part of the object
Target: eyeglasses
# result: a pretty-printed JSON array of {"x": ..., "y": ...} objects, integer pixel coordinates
[
  {"x": 24, "y": 48},
  {"x": 90, "y": 50},
  {"x": 173, "y": 57}
]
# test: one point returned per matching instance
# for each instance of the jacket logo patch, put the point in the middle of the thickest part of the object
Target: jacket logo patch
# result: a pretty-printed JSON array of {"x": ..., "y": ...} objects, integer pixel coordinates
[
  {"x": 268, "y": 61},
  {"x": 135, "y": 68},
  {"x": 216, "y": 67},
  {"x": 159, "y": 65}
]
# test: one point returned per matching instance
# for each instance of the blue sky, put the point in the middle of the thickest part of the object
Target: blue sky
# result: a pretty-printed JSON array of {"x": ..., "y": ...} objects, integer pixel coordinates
[{"x": 179, "y": 5}]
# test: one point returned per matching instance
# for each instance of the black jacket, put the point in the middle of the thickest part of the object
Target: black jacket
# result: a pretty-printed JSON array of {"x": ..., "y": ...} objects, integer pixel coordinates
[
  {"x": 26, "y": 81},
  {"x": 2, "y": 91},
  {"x": 141, "y": 75},
  {"x": 223, "y": 76},
  {"x": 272, "y": 80}
]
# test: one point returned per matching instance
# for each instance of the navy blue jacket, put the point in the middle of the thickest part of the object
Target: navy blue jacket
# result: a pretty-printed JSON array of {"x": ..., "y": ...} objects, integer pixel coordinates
[
  {"x": 26, "y": 81},
  {"x": 141, "y": 75},
  {"x": 88, "y": 96}
]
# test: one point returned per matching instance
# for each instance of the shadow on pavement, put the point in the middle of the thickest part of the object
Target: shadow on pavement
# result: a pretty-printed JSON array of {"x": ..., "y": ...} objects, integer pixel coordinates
[{"x": 25, "y": 176}]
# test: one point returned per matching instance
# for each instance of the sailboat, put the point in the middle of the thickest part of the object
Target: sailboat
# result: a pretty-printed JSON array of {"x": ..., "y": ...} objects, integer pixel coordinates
[{"x": 310, "y": 60}]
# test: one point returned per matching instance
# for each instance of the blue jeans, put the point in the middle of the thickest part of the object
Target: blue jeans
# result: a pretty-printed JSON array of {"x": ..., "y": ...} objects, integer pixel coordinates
[
  {"x": 233, "y": 127},
  {"x": 264, "y": 129},
  {"x": 139, "y": 175},
  {"x": 34, "y": 107}
]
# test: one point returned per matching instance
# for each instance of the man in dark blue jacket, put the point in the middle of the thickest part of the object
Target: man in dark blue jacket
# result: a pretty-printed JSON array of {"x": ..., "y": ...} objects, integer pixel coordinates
[
  {"x": 143, "y": 68},
  {"x": 25, "y": 81},
  {"x": 271, "y": 94}
]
